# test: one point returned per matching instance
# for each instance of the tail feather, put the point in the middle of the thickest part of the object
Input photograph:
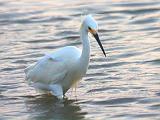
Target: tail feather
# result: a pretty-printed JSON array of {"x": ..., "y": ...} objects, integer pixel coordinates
[{"x": 27, "y": 71}]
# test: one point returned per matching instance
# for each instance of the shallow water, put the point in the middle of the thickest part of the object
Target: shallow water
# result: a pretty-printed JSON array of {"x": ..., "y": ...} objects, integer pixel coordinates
[{"x": 123, "y": 86}]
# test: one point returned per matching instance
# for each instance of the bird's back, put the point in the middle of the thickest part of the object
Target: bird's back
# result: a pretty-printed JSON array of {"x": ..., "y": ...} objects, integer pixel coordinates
[{"x": 69, "y": 52}]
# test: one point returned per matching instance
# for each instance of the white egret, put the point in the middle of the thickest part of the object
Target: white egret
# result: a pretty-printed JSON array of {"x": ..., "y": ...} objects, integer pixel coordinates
[{"x": 58, "y": 71}]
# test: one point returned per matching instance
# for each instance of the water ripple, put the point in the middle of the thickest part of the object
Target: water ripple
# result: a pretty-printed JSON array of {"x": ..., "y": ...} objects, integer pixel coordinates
[
  {"x": 115, "y": 101},
  {"x": 124, "y": 85}
]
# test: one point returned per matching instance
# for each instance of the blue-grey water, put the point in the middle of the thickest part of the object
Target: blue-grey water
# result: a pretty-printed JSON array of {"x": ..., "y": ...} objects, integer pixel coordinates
[{"x": 123, "y": 86}]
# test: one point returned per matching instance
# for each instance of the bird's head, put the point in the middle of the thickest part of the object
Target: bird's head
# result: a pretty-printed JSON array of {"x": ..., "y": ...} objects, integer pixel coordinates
[
  {"x": 91, "y": 26},
  {"x": 90, "y": 22}
]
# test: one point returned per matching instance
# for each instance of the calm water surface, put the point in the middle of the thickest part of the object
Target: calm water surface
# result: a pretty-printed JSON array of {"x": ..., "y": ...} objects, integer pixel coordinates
[{"x": 123, "y": 86}]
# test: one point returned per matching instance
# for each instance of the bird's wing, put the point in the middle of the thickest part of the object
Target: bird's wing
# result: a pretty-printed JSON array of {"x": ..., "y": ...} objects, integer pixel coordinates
[{"x": 48, "y": 70}]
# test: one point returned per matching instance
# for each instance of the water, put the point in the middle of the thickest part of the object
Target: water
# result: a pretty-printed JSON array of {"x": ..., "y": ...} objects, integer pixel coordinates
[{"x": 123, "y": 86}]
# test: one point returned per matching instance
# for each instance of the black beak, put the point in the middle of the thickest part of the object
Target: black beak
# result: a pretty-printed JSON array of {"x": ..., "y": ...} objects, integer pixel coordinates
[{"x": 99, "y": 42}]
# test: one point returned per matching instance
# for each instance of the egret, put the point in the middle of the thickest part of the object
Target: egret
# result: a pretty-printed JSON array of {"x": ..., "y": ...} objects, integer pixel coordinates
[{"x": 57, "y": 72}]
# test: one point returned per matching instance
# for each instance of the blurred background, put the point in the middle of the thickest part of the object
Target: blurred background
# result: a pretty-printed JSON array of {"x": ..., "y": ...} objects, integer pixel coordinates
[{"x": 123, "y": 86}]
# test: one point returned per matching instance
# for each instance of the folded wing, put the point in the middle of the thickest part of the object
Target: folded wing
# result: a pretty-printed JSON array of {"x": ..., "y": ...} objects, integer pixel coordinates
[{"x": 47, "y": 70}]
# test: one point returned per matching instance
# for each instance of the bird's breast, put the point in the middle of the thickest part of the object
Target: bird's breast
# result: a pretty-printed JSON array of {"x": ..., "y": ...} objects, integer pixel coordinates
[{"x": 73, "y": 76}]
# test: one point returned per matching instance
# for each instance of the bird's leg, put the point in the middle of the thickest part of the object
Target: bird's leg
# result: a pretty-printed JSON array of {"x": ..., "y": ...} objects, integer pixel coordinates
[
  {"x": 75, "y": 94},
  {"x": 74, "y": 89},
  {"x": 76, "y": 84},
  {"x": 56, "y": 90}
]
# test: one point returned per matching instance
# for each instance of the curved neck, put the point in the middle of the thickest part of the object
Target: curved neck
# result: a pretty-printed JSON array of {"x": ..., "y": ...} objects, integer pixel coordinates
[{"x": 85, "y": 55}]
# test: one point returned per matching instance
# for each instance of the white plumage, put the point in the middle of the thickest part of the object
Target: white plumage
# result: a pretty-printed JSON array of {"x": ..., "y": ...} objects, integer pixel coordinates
[{"x": 58, "y": 71}]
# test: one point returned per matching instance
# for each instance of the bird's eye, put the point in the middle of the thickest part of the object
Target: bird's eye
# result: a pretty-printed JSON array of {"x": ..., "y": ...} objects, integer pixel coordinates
[{"x": 89, "y": 28}]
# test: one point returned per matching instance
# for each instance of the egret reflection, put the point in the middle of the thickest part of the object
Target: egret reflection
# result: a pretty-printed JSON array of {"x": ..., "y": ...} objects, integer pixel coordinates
[{"x": 45, "y": 107}]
